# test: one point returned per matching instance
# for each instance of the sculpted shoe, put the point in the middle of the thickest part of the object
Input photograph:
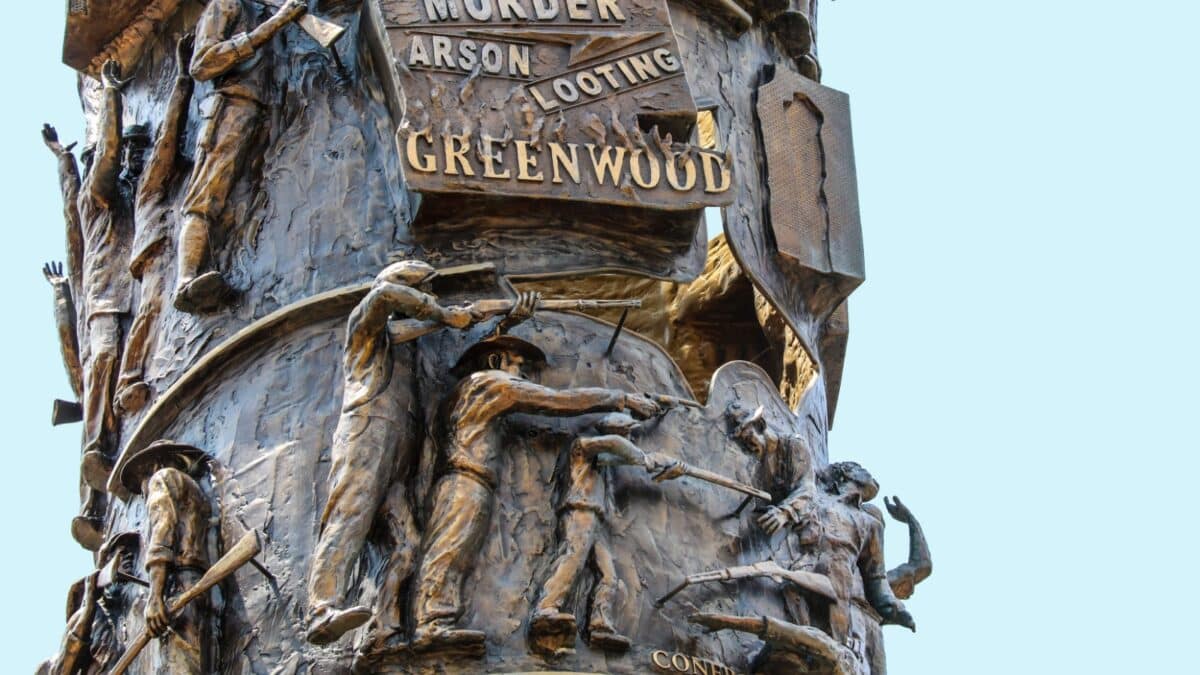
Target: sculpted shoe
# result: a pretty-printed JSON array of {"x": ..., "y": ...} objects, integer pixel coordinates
[
  {"x": 329, "y": 625},
  {"x": 96, "y": 467},
  {"x": 87, "y": 532},
  {"x": 202, "y": 294},
  {"x": 132, "y": 397},
  {"x": 609, "y": 640},
  {"x": 546, "y": 622},
  {"x": 436, "y": 638}
]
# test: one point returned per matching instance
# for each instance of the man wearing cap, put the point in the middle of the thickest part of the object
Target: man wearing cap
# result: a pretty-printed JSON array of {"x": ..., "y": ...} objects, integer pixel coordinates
[
  {"x": 583, "y": 510},
  {"x": 492, "y": 387},
  {"x": 103, "y": 224},
  {"x": 230, "y": 53},
  {"x": 373, "y": 441},
  {"x": 153, "y": 222},
  {"x": 89, "y": 644},
  {"x": 176, "y": 548},
  {"x": 841, "y": 536}
]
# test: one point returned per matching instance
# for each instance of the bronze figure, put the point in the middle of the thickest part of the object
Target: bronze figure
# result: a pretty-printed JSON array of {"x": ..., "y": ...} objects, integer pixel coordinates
[
  {"x": 178, "y": 513},
  {"x": 153, "y": 225},
  {"x": 790, "y": 648},
  {"x": 231, "y": 52},
  {"x": 65, "y": 322},
  {"x": 583, "y": 537},
  {"x": 373, "y": 440},
  {"x": 904, "y": 578},
  {"x": 493, "y": 385}
]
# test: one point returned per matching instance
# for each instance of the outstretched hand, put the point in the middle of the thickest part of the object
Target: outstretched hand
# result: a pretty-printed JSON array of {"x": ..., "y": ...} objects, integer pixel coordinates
[
  {"x": 110, "y": 75},
  {"x": 53, "y": 271},
  {"x": 898, "y": 510},
  {"x": 50, "y": 138},
  {"x": 183, "y": 53},
  {"x": 898, "y": 615},
  {"x": 641, "y": 406},
  {"x": 663, "y": 467},
  {"x": 774, "y": 520},
  {"x": 525, "y": 306}
]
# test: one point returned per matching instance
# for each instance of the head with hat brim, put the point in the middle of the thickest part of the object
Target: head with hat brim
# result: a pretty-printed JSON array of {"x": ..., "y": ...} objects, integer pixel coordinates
[
  {"x": 125, "y": 544},
  {"x": 414, "y": 273},
  {"x": 500, "y": 352},
  {"x": 749, "y": 426},
  {"x": 160, "y": 455}
]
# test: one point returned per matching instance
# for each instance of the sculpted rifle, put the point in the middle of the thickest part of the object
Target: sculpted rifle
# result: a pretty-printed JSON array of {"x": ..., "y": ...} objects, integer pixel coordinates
[
  {"x": 239, "y": 555},
  {"x": 809, "y": 581}
]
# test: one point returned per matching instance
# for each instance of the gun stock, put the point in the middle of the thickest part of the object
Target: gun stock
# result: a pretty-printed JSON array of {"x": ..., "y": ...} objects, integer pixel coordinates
[{"x": 241, "y": 553}]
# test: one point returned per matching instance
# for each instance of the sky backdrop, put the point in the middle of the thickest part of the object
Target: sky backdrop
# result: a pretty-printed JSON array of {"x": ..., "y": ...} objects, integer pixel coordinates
[{"x": 1022, "y": 367}]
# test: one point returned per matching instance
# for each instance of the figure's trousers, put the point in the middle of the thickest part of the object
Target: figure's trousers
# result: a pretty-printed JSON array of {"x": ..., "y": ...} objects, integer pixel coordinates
[
  {"x": 184, "y": 649},
  {"x": 581, "y": 540},
  {"x": 461, "y": 513},
  {"x": 364, "y": 457},
  {"x": 141, "y": 333},
  {"x": 99, "y": 382},
  {"x": 226, "y": 136}
]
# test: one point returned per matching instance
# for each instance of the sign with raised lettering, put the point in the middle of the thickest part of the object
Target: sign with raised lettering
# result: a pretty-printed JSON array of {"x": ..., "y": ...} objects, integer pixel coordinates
[{"x": 573, "y": 103}]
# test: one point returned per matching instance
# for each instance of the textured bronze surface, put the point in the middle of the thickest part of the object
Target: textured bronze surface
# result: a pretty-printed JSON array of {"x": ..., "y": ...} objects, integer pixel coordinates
[{"x": 381, "y": 370}]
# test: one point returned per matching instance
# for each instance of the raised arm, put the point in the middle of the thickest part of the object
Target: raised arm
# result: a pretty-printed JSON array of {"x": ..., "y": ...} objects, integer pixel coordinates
[
  {"x": 64, "y": 321},
  {"x": 68, "y": 180},
  {"x": 875, "y": 581},
  {"x": 218, "y": 50},
  {"x": 919, "y": 567},
  {"x": 101, "y": 181},
  {"x": 162, "y": 164}
]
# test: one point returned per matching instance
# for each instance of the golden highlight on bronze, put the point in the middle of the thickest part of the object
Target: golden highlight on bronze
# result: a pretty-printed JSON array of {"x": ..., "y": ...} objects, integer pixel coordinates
[{"x": 398, "y": 346}]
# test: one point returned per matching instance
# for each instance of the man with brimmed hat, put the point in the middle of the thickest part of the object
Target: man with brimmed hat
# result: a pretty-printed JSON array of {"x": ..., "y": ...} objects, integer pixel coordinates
[
  {"x": 178, "y": 511},
  {"x": 374, "y": 446},
  {"x": 784, "y": 458},
  {"x": 492, "y": 387}
]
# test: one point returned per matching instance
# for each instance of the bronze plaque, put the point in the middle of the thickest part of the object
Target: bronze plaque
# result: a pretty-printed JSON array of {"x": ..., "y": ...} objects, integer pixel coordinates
[
  {"x": 811, "y": 175},
  {"x": 573, "y": 103}
]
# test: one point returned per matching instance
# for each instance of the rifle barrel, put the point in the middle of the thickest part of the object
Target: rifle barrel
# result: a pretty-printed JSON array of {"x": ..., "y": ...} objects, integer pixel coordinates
[{"x": 718, "y": 479}]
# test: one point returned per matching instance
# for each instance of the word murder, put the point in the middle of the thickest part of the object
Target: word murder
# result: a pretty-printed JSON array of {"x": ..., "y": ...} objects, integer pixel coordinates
[
  {"x": 521, "y": 160},
  {"x": 481, "y": 11}
]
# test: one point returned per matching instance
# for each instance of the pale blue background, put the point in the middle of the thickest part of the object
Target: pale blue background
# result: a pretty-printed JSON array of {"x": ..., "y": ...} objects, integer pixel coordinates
[{"x": 1022, "y": 367}]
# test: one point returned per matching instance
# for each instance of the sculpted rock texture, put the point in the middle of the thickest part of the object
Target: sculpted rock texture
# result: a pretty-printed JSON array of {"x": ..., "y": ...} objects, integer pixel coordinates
[{"x": 387, "y": 452}]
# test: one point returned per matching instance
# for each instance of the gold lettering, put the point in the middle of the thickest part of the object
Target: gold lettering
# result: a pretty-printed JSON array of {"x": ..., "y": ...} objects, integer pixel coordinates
[
  {"x": 545, "y": 10},
  {"x": 565, "y": 90},
  {"x": 440, "y": 10},
  {"x": 666, "y": 60},
  {"x": 466, "y": 54},
  {"x": 605, "y": 71},
  {"x": 675, "y": 661},
  {"x": 578, "y": 10},
  {"x": 711, "y": 161},
  {"x": 644, "y": 66},
  {"x": 417, "y": 54},
  {"x": 606, "y": 164},
  {"x": 525, "y": 162},
  {"x": 518, "y": 60},
  {"x": 441, "y": 51},
  {"x": 541, "y": 100},
  {"x": 480, "y": 10},
  {"x": 689, "y": 174},
  {"x": 457, "y": 157},
  {"x": 699, "y": 666},
  {"x": 609, "y": 11},
  {"x": 423, "y": 163},
  {"x": 491, "y": 58},
  {"x": 560, "y": 159},
  {"x": 664, "y": 663},
  {"x": 588, "y": 83},
  {"x": 635, "y": 168},
  {"x": 627, "y": 72},
  {"x": 509, "y": 9},
  {"x": 489, "y": 160}
]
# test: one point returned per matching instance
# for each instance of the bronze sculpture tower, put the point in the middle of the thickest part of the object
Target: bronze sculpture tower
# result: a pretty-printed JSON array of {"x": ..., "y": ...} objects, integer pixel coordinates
[{"x": 398, "y": 344}]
